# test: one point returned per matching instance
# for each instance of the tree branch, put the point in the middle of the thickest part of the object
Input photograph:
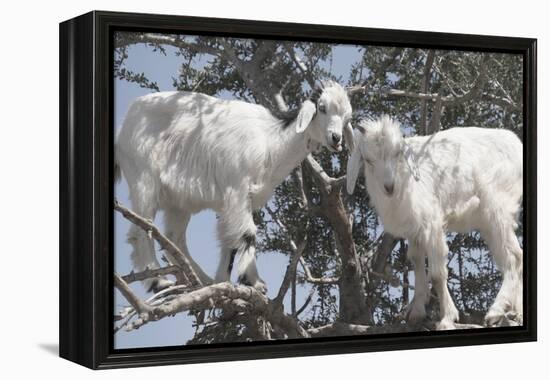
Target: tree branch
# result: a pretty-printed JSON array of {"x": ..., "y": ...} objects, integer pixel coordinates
[
  {"x": 476, "y": 88},
  {"x": 340, "y": 328},
  {"x": 297, "y": 251},
  {"x": 425, "y": 86},
  {"x": 389, "y": 92},
  {"x": 384, "y": 249},
  {"x": 163, "y": 39},
  {"x": 306, "y": 303},
  {"x": 449, "y": 100},
  {"x": 224, "y": 296},
  {"x": 316, "y": 280},
  {"x": 216, "y": 295},
  {"x": 253, "y": 75},
  {"x": 300, "y": 65},
  {"x": 290, "y": 271},
  {"x": 203, "y": 298},
  {"x": 383, "y": 68},
  {"x": 150, "y": 273},
  {"x": 504, "y": 102},
  {"x": 323, "y": 180},
  {"x": 435, "y": 122},
  {"x": 139, "y": 306},
  {"x": 163, "y": 241}
]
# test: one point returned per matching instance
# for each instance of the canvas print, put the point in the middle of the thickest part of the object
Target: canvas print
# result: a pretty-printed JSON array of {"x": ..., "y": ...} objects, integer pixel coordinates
[{"x": 278, "y": 190}]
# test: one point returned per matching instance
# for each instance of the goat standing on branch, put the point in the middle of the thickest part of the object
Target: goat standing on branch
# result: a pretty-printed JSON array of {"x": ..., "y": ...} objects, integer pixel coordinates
[
  {"x": 459, "y": 180},
  {"x": 183, "y": 152}
]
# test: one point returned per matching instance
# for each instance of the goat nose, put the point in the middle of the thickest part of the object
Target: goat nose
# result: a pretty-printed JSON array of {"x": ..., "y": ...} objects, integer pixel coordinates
[
  {"x": 336, "y": 138},
  {"x": 389, "y": 189}
]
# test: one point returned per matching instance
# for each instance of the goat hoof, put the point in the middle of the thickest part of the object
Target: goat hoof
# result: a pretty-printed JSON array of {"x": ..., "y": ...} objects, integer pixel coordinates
[
  {"x": 415, "y": 313},
  {"x": 159, "y": 284},
  {"x": 259, "y": 284},
  {"x": 514, "y": 318},
  {"x": 494, "y": 319},
  {"x": 445, "y": 325}
]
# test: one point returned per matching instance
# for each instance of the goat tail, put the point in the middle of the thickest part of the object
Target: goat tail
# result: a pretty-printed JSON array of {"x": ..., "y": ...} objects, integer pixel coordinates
[{"x": 117, "y": 174}]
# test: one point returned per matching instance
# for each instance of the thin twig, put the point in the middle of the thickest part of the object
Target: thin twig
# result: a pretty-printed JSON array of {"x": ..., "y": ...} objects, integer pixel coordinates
[
  {"x": 141, "y": 307},
  {"x": 306, "y": 303},
  {"x": 290, "y": 271},
  {"x": 316, "y": 280}
]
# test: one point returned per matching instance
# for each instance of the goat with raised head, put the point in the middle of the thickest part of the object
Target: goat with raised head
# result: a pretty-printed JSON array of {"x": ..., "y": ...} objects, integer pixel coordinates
[
  {"x": 458, "y": 180},
  {"x": 183, "y": 152}
]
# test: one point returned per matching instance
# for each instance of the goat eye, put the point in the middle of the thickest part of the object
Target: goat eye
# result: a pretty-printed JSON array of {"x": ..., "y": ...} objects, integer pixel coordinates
[{"x": 322, "y": 108}]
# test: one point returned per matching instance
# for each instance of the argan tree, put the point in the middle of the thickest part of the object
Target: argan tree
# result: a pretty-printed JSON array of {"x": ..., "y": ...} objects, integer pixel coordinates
[{"x": 358, "y": 277}]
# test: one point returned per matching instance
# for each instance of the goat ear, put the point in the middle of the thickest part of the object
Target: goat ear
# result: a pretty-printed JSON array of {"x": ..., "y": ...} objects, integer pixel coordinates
[
  {"x": 410, "y": 158},
  {"x": 306, "y": 114},
  {"x": 352, "y": 171},
  {"x": 348, "y": 136}
]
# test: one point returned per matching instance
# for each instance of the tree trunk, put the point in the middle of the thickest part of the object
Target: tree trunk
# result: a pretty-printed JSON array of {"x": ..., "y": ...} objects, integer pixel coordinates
[{"x": 353, "y": 308}]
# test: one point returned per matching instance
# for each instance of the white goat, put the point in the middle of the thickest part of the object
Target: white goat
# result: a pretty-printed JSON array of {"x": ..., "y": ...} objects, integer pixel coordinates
[
  {"x": 184, "y": 152},
  {"x": 459, "y": 180}
]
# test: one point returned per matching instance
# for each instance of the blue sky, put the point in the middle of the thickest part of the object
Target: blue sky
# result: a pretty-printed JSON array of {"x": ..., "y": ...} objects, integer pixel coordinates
[{"x": 201, "y": 236}]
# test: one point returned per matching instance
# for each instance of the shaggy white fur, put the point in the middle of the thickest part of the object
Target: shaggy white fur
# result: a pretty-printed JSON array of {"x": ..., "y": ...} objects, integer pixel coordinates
[
  {"x": 184, "y": 152},
  {"x": 460, "y": 179}
]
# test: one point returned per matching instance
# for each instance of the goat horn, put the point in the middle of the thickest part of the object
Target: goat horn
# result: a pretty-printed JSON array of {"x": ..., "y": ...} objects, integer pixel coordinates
[
  {"x": 321, "y": 85},
  {"x": 351, "y": 90},
  {"x": 360, "y": 128}
]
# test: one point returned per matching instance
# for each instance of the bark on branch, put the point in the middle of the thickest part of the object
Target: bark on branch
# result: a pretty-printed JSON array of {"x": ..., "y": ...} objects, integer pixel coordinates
[
  {"x": 340, "y": 329},
  {"x": 352, "y": 307},
  {"x": 151, "y": 273},
  {"x": 219, "y": 295}
]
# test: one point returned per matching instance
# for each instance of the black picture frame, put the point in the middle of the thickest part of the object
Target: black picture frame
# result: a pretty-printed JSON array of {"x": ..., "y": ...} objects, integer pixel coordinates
[{"x": 86, "y": 189}]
